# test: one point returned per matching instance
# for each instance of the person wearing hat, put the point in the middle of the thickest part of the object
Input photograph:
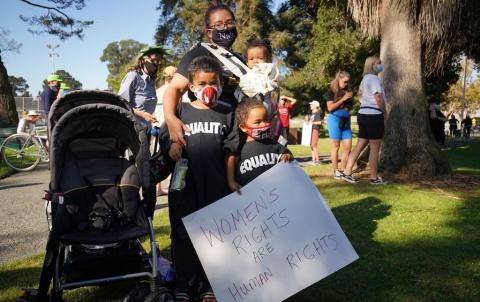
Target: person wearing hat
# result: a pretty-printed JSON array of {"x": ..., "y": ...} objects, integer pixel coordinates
[
  {"x": 50, "y": 91},
  {"x": 316, "y": 120},
  {"x": 26, "y": 125},
  {"x": 138, "y": 85}
]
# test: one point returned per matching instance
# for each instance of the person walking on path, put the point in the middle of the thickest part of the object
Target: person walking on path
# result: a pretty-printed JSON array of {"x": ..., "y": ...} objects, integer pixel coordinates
[
  {"x": 339, "y": 103},
  {"x": 220, "y": 30},
  {"x": 316, "y": 120},
  {"x": 370, "y": 120},
  {"x": 50, "y": 92},
  {"x": 467, "y": 127},
  {"x": 138, "y": 85},
  {"x": 285, "y": 105}
]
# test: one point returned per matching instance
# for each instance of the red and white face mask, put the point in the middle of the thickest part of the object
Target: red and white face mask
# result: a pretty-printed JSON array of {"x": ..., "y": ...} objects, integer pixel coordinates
[
  {"x": 259, "y": 133},
  {"x": 208, "y": 95}
]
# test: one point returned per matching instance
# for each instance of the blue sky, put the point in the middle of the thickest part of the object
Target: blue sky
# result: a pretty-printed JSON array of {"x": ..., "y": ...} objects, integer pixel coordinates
[{"x": 114, "y": 20}]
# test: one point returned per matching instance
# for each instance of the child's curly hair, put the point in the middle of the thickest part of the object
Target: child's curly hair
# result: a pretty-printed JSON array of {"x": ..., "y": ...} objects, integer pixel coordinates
[
  {"x": 244, "y": 108},
  {"x": 262, "y": 43},
  {"x": 205, "y": 64}
]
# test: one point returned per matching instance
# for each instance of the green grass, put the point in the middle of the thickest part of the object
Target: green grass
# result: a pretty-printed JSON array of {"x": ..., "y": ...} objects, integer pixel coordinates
[
  {"x": 5, "y": 170},
  {"x": 416, "y": 242}
]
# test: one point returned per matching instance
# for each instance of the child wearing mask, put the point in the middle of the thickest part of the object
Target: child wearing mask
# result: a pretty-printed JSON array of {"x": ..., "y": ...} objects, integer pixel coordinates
[
  {"x": 211, "y": 138},
  {"x": 260, "y": 152}
]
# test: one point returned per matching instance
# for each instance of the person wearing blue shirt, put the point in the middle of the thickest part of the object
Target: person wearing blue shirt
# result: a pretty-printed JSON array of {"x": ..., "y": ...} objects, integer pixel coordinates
[{"x": 50, "y": 92}]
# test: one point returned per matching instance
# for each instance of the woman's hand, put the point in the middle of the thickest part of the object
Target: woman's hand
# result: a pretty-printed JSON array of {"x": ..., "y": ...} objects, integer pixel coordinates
[
  {"x": 175, "y": 151},
  {"x": 176, "y": 129},
  {"x": 347, "y": 96}
]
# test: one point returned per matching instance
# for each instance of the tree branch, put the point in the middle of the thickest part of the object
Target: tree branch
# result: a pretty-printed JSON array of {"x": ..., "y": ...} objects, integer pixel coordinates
[{"x": 48, "y": 8}]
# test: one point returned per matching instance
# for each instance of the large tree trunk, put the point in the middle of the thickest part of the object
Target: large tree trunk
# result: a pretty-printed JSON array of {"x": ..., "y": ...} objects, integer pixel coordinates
[
  {"x": 8, "y": 110},
  {"x": 409, "y": 146}
]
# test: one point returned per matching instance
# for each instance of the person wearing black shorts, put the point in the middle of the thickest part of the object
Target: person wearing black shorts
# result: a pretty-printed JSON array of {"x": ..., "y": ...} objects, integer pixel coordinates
[{"x": 370, "y": 121}]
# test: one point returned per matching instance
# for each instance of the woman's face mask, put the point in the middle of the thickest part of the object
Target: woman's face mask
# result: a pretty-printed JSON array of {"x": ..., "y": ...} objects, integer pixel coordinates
[
  {"x": 151, "y": 68},
  {"x": 208, "y": 95},
  {"x": 379, "y": 68},
  {"x": 225, "y": 37}
]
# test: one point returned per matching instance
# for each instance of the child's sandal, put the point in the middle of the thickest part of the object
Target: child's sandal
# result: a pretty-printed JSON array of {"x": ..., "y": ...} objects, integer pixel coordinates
[{"x": 208, "y": 296}]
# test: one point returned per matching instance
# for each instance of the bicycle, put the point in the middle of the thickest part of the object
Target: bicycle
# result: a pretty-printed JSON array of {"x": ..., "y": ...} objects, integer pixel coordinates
[{"x": 23, "y": 152}]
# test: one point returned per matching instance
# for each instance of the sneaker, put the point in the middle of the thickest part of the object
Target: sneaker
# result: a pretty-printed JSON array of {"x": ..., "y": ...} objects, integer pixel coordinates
[
  {"x": 377, "y": 181},
  {"x": 338, "y": 174},
  {"x": 349, "y": 178}
]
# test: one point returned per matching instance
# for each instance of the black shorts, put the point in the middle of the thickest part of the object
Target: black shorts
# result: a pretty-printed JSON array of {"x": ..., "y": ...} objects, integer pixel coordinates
[{"x": 370, "y": 126}]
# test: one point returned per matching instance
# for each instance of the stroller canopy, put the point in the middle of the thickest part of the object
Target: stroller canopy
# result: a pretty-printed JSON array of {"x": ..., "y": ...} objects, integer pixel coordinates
[
  {"x": 79, "y": 98},
  {"x": 95, "y": 131}
]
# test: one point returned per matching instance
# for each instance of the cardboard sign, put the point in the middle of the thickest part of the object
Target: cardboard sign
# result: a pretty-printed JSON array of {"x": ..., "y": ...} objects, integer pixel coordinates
[
  {"x": 306, "y": 133},
  {"x": 272, "y": 241}
]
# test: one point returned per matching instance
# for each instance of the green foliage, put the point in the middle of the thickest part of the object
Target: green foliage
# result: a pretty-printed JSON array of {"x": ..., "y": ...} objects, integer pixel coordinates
[
  {"x": 119, "y": 55},
  {"x": 19, "y": 86},
  {"x": 336, "y": 46}
]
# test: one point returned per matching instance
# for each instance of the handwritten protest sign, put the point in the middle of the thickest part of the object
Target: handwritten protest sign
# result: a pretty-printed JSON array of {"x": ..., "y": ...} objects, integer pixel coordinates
[{"x": 272, "y": 241}]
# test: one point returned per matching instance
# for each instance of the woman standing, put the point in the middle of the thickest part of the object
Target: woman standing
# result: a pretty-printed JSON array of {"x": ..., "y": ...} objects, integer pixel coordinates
[
  {"x": 339, "y": 103},
  {"x": 220, "y": 30},
  {"x": 370, "y": 121},
  {"x": 316, "y": 120},
  {"x": 138, "y": 85}
]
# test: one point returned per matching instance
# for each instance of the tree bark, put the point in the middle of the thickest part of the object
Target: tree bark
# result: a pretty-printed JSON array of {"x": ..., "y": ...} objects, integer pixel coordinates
[
  {"x": 409, "y": 146},
  {"x": 8, "y": 110}
]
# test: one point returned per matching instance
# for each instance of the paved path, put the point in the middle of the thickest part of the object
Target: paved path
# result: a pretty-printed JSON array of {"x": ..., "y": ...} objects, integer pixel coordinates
[{"x": 23, "y": 226}]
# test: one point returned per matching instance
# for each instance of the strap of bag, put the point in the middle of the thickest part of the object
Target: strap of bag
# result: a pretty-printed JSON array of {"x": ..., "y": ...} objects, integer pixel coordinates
[{"x": 229, "y": 60}]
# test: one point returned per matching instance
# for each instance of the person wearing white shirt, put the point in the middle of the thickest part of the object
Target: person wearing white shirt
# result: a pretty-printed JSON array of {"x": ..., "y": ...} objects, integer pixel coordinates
[{"x": 370, "y": 121}]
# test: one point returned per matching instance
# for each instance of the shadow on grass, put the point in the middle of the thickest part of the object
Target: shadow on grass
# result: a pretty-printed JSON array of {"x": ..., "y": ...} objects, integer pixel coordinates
[{"x": 424, "y": 268}]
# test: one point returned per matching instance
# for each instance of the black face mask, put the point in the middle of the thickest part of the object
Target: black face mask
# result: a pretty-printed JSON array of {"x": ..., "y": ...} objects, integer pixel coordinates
[
  {"x": 224, "y": 38},
  {"x": 152, "y": 68}
]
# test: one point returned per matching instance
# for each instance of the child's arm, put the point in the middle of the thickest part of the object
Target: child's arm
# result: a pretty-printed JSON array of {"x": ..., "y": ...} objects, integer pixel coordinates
[
  {"x": 175, "y": 151},
  {"x": 232, "y": 183}
]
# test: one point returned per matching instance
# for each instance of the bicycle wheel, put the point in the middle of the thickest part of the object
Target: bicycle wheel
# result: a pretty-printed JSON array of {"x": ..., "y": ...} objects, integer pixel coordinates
[{"x": 20, "y": 152}]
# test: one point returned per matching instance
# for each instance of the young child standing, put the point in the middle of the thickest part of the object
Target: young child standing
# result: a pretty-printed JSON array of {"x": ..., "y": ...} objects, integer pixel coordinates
[
  {"x": 211, "y": 138},
  {"x": 260, "y": 152}
]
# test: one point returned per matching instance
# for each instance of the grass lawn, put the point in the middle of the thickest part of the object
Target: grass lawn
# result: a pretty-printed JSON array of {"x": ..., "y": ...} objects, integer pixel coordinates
[
  {"x": 416, "y": 242},
  {"x": 5, "y": 170}
]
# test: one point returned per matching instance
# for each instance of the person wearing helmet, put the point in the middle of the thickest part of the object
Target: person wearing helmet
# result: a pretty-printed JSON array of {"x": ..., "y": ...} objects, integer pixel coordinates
[
  {"x": 138, "y": 85},
  {"x": 50, "y": 91}
]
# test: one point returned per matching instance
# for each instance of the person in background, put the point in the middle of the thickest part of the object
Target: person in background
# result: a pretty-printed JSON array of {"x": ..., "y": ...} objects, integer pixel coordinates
[
  {"x": 26, "y": 125},
  {"x": 339, "y": 103},
  {"x": 138, "y": 85},
  {"x": 467, "y": 127},
  {"x": 371, "y": 119},
  {"x": 316, "y": 120},
  {"x": 285, "y": 105},
  {"x": 453, "y": 125},
  {"x": 437, "y": 121},
  {"x": 50, "y": 92}
]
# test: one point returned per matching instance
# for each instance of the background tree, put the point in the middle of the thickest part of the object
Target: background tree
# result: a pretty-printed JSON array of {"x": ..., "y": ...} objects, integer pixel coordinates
[
  {"x": 19, "y": 86},
  {"x": 8, "y": 110},
  {"x": 417, "y": 37},
  {"x": 119, "y": 55},
  {"x": 55, "y": 22}
]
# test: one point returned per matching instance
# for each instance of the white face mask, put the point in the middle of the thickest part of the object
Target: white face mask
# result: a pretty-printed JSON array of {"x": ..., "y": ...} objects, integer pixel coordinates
[{"x": 208, "y": 95}]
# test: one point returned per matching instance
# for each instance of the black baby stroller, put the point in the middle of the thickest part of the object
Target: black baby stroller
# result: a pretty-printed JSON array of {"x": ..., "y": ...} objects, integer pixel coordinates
[{"x": 101, "y": 201}]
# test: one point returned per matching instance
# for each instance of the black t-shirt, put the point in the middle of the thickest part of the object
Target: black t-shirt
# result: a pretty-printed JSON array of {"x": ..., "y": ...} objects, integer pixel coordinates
[
  {"x": 198, "y": 51},
  {"x": 467, "y": 122},
  {"x": 255, "y": 158},
  {"x": 328, "y": 96},
  {"x": 316, "y": 117},
  {"x": 213, "y": 135}
]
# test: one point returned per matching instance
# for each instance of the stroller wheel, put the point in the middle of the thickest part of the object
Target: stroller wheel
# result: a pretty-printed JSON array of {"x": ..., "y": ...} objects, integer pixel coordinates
[{"x": 163, "y": 295}]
